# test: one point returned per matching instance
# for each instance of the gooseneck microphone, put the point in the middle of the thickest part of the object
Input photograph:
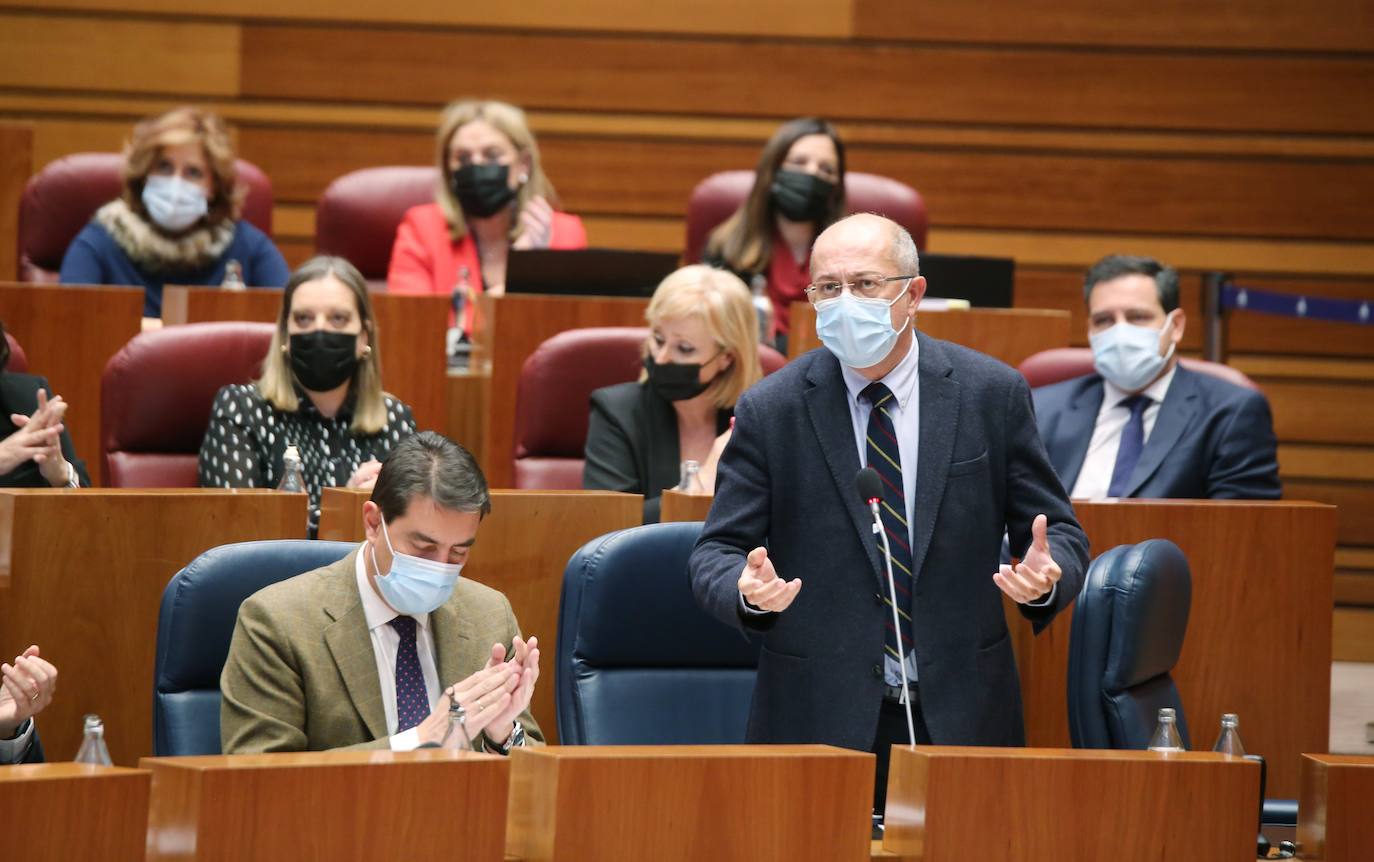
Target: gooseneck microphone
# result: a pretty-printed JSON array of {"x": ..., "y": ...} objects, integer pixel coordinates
[{"x": 870, "y": 487}]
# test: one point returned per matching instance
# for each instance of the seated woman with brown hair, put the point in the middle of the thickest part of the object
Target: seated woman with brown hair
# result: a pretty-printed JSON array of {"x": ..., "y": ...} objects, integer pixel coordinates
[
  {"x": 700, "y": 356},
  {"x": 492, "y": 197},
  {"x": 798, "y": 192},
  {"x": 320, "y": 393},
  {"x": 177, "y": 221}
]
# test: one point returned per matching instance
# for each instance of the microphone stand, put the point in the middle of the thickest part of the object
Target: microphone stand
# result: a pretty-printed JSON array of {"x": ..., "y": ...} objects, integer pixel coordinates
[{"x": 896, "y": 618}]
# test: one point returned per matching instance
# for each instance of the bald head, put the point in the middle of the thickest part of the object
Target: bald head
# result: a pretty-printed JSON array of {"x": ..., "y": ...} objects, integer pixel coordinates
[{"x": 865, "y": 242}]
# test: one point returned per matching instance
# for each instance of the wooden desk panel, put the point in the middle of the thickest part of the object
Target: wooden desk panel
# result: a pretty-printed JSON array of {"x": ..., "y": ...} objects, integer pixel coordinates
[
  {"x": 57, "y": 812},
  {"x": 1009, "y": 334},
  {"x": 1334, "y": 817},
  {"x": 518, "y": 324},
  {"x": 1259, "y": 633},
  {"x": 678, "y": 506},
  {"x": 68, "y": 334},
  {"x": 410, "y": 337},
  {"x": 82, "y": 574},
  {"x": 16, "y": 142},
  {"x": 725, "y": 803},
  {"x": 468, "y": 402},
  {"x": 949, "y": 803},
  {"x": 328, "y": 805},
  {"x": 522, "y": 549}
]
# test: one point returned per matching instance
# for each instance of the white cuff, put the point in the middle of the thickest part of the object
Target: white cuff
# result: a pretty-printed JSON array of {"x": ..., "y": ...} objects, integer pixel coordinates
[
  {"x": 13, "y": 750},
  {"x": 406, "y": 740},
  {"x": 1046, "y": 599}
]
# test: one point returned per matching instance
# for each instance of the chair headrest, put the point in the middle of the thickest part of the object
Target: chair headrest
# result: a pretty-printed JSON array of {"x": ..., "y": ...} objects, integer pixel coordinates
[
  {"x": 1153, "y": 594},
  {"x": 359, "y": 212}
]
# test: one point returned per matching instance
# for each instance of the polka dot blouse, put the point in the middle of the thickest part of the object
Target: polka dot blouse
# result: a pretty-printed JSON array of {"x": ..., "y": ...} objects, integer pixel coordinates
[{"x": 247, "y": 436}]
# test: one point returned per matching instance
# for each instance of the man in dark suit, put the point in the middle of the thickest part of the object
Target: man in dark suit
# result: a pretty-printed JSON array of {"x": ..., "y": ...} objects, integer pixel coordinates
[
  {"x": 951, "y": 434},
  {"x": 1144, "y": 425},
  {"x": 26, "y": 689}
]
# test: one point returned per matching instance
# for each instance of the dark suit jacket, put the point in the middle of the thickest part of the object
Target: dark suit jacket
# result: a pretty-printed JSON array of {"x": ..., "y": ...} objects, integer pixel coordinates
[
  {"x": 632, "y": 444},
  {"x": 1211, "y": 439},
  {"x": 19, "y": 394},
  {"x": 787, "y": 480}
]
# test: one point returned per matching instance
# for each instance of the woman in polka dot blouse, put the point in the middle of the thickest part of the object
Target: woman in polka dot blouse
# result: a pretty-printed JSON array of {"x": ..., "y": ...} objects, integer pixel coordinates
[{"x": 320, "y": 391}]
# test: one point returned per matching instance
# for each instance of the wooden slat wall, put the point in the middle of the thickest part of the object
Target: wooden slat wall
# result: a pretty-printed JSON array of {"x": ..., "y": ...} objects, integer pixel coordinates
[{"x": 1215, "y": 134}]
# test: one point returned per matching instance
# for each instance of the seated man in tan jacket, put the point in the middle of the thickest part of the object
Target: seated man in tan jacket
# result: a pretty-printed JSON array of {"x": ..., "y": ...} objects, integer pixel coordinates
[{"x": 371, "y": 651}]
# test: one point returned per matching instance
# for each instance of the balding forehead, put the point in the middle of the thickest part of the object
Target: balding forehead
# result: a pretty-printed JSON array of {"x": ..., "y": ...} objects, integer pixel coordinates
[{"x": 855, "y": 242}]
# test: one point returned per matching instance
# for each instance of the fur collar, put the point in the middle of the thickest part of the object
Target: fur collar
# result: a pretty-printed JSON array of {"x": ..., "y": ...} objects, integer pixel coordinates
[{"x": 153, "y": 251}]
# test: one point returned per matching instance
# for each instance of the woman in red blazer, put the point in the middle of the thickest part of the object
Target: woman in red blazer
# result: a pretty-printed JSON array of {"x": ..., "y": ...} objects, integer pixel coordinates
[{"x": 492, "y": 197}]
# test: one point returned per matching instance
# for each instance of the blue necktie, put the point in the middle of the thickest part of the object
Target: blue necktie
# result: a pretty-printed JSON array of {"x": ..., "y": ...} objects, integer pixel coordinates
[
  {"x": 884, "y": 457},
  {"x": 1132, "y": 441},
  {"x": 412, "y": 698}
]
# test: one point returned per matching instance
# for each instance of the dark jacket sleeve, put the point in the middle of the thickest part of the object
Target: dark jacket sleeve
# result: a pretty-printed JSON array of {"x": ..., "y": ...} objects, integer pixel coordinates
[
  {"x": 1246, "y": 463},
  {"x": 266, "y": 267},
  {"x": 610, "y": 463},
  {"x": 1034, "y": 489}
]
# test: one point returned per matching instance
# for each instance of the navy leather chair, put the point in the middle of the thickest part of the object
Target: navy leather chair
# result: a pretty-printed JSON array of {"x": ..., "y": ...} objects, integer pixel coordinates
[
  {"x": 638, "y": 661},
  {"x": 1128, "y": 630},
  {"x": 195, "y": 624}
]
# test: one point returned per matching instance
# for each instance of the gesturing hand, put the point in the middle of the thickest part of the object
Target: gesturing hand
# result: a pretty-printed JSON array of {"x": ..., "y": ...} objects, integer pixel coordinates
[
  {"x": 536, "y": 225},
  {"x": 1037, "y": 573},
  {"x": 26, "y": 688},
  {"x": 761, "y": 587},
  {"x": 38, "y": 439},
  {"x": 525, "y": 656}
]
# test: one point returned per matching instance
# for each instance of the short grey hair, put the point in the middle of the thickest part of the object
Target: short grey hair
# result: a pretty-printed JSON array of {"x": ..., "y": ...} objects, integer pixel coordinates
[
  {"x": 904, "y": 252},
  {"x": 430, "y": 465}
]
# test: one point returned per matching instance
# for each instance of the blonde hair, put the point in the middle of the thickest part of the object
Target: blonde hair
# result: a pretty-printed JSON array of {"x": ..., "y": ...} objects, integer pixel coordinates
[
  {"x": 184, "y": 125},
  {"x": 277, "y": 384},
  {"x": 723, "y": 304},
  {"x": 509, "y": 121}
]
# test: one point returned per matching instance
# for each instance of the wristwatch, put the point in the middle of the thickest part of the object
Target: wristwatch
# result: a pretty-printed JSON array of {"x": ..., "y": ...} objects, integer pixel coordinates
[{"x": 517, "y": 739}]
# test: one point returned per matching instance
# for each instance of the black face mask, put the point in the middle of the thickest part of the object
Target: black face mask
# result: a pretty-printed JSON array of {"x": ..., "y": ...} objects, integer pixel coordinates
[
  {"x": 482, "y": 190},
  {"x": 324, "y": 360},
  {"x": 801, "y": 197},
  {"x": 676, "y": 381}
]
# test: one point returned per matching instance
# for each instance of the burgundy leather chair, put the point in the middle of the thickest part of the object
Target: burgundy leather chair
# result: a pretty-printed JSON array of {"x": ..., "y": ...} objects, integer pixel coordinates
[
  {"x": 719, "y": 195},
  {"x": 59, "y": 200},
  {"x": 358, "y": 214},
  {"x": 553, "y": 401},
  {"x": 18, "y": 363},
  {"x": 1065, "y": 363},
  {"x": 156, "y": 395}
]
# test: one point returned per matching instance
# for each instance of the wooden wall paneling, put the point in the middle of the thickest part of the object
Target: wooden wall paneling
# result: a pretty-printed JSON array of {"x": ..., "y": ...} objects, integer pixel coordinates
[
  {"x": 55, "y": 138},
  {"x": 1352, "y": 635},
  {"x": 87, "y": 571},
  {"x": 16, "y": 142},
  {"x": 119, "y": 54},
  {"x": 77, "y": 811},
  {"x": 1329, "y": 25},
  {"x": 1354, "y": 502},
  {"x": 1313, "y": 412},
  {"x": 962, "y": 84},
  {"x": 68, "y": 334}
]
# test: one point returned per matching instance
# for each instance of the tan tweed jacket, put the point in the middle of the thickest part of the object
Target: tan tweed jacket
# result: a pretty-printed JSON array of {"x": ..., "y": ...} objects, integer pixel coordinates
[{"x": 301, "y": 675}]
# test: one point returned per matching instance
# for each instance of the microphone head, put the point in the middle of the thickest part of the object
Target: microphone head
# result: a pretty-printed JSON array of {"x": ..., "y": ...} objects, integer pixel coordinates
[{"x": 869, "y": 485}]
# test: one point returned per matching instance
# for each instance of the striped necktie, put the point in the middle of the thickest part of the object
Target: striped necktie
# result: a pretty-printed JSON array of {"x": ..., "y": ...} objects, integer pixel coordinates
[{"x": 883, "y": 456}]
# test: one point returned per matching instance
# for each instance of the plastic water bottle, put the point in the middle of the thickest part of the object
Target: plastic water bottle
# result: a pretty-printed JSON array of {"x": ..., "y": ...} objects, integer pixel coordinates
[
  {"x": 93, "y": 748},
  {"x": 233, "y": 276},
  {"x": 689, "y": 480},
  {"x": 763, "y": 306},
  {"x": 292, "y": 473},
  {"x": 1228, "y": 741},
  {"x": 456, "y": 738},
  {"x": 1166, "y": 738}
]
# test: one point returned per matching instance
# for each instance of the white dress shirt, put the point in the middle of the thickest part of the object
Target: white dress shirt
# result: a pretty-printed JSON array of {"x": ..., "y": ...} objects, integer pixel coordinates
[
  {"x": 903, "y": 382},
  {"x": 14, "y": 750},
  {"x": 1095, "y": 478},
  {"x": 385, "y": 642}
]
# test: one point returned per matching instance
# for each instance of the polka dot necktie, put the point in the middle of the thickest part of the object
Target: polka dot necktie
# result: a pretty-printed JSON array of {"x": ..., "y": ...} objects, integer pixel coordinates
[
  {"x": 412, "y": 698},
  {"x": 884, "y": 457}
]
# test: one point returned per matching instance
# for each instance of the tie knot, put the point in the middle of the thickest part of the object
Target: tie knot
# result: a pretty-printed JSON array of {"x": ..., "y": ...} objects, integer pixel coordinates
[
  {"x": 404, "y": 626},
  {"x": 876, "y": 394},
  {"x": 1136, "y": 404}
]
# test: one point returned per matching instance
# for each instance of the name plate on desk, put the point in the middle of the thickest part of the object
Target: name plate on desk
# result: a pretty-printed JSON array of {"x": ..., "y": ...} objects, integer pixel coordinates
[
  {"x": 1051, "y": 805},
  {"x": 55, "y": 812},
  {"x": 723, "y": 803},
  {"x": 359, "y": 804}
]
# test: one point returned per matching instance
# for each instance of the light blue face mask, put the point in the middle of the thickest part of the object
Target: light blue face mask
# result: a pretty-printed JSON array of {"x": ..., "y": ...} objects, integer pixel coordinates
[
  {"x": 174, "y": 203},
  {"x": 414, "y": 585},
  {"x": 858, "y": 331},
  {"x": 1128, "y": 355}
]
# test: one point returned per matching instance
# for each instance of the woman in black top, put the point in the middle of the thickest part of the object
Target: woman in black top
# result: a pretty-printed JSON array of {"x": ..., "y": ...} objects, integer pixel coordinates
[
  {"x": 320, "y": 391},
  {"x": 35, "y": 449},
  {"x": 701, "y": 354}
]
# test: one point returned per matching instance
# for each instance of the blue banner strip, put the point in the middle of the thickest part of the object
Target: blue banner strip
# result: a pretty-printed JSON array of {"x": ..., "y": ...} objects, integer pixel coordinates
[{"x": 1238, "y": 297}]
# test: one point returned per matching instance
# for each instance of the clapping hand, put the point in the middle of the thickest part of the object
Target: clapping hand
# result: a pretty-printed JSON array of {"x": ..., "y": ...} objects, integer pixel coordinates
[
  {"x": 26, "y": 688},
  {"x": 1036, "y": 574},
  {"x": 38, "y": 439},
  {"x": 525, "y": 656},
  {"x": 536, "y": 225}
]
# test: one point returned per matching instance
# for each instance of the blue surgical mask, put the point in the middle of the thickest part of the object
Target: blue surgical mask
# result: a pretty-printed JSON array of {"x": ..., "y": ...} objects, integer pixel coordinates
[
  {"x": 858, "y": 331},
  {"x": 414, "y": 585},
  {"x": 1128, "y": 355},
  {"x": 174, "y": 203}
]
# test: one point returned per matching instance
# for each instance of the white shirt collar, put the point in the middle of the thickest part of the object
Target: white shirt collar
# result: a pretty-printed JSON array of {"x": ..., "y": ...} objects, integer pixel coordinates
[
  {"x": 901, "y": 380},
  {"x": 1113, "y": 395},
  {"x": 377, "y": 612}
]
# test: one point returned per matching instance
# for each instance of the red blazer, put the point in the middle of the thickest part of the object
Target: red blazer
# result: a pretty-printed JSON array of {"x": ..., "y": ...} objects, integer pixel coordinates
[{"x": 424, "y": 259}]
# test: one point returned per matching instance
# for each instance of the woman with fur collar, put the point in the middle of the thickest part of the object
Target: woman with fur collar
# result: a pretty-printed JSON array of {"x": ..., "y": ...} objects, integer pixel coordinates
[{"x": 177, "y": 220}]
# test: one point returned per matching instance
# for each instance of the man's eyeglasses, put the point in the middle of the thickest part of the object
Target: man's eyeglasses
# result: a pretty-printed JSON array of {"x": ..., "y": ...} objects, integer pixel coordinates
[{"x": 868, "y": 287}]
